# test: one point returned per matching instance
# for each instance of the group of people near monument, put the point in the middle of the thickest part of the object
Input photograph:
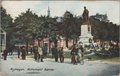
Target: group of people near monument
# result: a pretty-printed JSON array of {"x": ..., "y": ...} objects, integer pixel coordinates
[
  {"x": 41, "y": 53},
  {"x": 38, "y": 52},
  {"x": 76, "y": 53}
]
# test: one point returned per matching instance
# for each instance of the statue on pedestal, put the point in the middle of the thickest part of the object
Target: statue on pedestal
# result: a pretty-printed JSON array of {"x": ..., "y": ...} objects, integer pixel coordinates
[
  {"x": 86, "y": 36},
  {"x": 85, "y": 16}
]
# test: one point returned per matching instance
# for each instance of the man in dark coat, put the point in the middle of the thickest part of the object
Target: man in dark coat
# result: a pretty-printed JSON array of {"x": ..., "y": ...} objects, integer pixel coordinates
[
  {"x": 55, "y": 53},
  {"x": 35, "y": 52},
  {"x": 5, "y": 53},
  {"x": 23, "y": 50},
  {"x": 61, "y": 54},
  {"x": 45, "y": 50},
  {"x": 74, "y": 53},
  {"x": 18, "y": 49},
  {"x": 31, "y": 50}
]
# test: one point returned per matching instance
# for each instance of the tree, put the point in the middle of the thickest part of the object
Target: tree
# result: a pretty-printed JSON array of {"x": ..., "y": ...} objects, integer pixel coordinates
[
  {"x": 70, "y": 27},
  {"x": 26, "y": 25},
  {"x": 7, "y": 25},
  {"x": 104, "y": 30},
  {"x": 47, "y": 28}
]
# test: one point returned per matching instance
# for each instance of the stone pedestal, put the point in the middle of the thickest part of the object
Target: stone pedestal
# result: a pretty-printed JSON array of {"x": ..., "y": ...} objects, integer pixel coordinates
[{"x": 85, "y": 34}]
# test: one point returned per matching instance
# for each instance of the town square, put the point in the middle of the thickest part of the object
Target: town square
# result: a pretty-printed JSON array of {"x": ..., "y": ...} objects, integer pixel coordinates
[{"x": 59, "y": 38}]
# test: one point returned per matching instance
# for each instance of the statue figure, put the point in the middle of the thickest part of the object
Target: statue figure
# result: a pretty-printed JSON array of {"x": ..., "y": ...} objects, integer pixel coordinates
[{"x": 85, "y": 16}]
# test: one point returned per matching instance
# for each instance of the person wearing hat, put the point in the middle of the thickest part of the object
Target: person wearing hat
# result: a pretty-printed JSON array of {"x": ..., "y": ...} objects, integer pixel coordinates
[
  {"x": 23, "y": 50},
  {"x": 74, "y": 53}
]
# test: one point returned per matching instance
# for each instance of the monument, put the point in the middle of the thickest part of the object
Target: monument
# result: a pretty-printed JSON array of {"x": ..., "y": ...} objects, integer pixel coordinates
[{"x": 86, "y": 37}]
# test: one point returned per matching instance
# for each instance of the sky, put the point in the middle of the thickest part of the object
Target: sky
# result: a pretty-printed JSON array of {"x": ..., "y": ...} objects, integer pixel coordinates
[{"x": 58, "y": 8}]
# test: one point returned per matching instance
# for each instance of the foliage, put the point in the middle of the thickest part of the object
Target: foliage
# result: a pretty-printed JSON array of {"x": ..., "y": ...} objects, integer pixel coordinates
[
  {"x": 70, "y": 27},
  {"x": 6, "y": 25},
  {"x": 104, "y": 30},
  {"x": 6, "y": 20},
  {"x": 28, "y": 26}
]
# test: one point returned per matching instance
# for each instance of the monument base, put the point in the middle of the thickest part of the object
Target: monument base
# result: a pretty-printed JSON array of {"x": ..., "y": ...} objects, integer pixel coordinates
[
  {"x": 85, "y": 35},
  {"x": 85, "y": 40}
]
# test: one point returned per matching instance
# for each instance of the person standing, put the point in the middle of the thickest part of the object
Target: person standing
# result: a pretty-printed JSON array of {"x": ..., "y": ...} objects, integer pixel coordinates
[
  {"x": 35, "y": 52},
  {"x": 61, "y": 55},
  {"x": 40, "y": 51},
  {"x": 52, "y": 52},
  {"x": 5, "y": 53},
  {"x": 55, "y": 53},
  {"x": 74, "y": 53},
  {"x": 80, "y": 53},
  {"x": 18, "y": 52},
  {"x": 45, "y": 50},
  {"x": 31, "y": 49},
  {"x": 23, "y": 50}
]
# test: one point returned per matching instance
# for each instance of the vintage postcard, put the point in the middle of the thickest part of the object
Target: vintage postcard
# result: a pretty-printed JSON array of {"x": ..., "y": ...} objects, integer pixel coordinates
[{"x": 59, "y": 38}]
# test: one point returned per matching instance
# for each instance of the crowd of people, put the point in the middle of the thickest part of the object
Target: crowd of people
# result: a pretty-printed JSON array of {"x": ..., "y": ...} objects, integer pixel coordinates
[
  {"x": 109, "y": 48},
  {"x": 40, "y": 53}
]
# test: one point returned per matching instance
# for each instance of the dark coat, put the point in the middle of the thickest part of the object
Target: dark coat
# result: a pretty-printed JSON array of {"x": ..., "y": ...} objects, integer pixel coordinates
[
  {"x": 5, "y": 53},
  {"x": 60, "y": 52},
  {"x": 55, "y": 52},
  {"x": 74, "y": 51},
  {"x": 23, "y": 52}
]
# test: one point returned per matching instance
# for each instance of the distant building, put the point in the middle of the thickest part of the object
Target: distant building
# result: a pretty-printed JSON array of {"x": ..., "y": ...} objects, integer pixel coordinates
[{"x": 48, "y": 15}]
